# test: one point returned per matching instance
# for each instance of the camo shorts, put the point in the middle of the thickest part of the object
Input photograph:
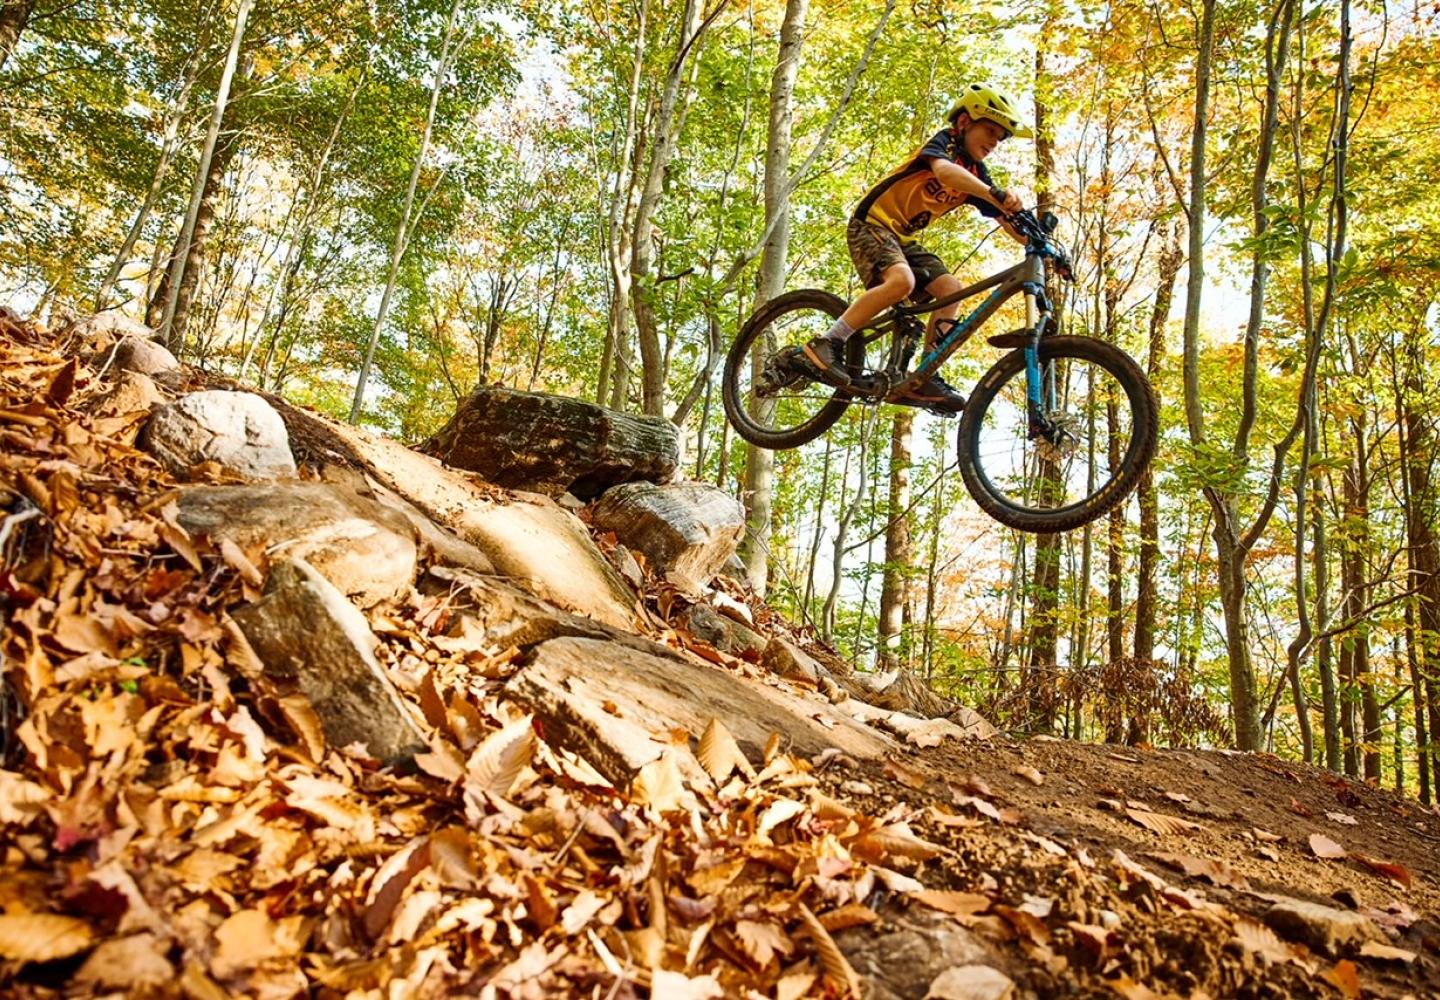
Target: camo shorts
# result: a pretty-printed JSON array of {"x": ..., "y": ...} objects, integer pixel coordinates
[{"x": 873, "y": 248}]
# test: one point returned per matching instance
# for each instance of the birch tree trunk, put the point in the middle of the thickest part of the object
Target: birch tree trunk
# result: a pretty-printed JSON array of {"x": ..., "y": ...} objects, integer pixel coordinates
[
  {"x": 402, "y": 231},
  {"x": 666, "y": 134},
  {"x": 760, "y": 463},
  {"x": 895, "y": 583},
  {"x": 203, "y": 180}
]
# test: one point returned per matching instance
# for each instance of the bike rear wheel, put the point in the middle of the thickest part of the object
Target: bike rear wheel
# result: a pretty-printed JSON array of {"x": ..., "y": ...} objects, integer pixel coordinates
[
  {"x": 1108, "y": 411},
  {"x": 769, "y": 404}
]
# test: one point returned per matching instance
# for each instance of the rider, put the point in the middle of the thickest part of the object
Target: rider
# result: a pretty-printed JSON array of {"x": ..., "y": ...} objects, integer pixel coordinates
[{"x": 948, "y": 171}]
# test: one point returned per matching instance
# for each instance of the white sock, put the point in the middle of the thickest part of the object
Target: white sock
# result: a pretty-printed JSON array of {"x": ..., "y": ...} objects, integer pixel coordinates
[{"x": 840, "y": 331}]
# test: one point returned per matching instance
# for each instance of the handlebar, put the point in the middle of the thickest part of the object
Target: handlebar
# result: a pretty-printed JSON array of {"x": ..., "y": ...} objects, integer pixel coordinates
[{"x": 1037, "y": 233}]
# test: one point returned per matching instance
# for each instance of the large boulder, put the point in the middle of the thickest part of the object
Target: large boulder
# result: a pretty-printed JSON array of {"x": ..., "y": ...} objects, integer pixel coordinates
[
  {"x": 100, "y": 331},
  {"x": 144, "y": 357},
  {"x": 238, "y": 430},
  {"x": 363, "y": 547},
  {"x": 554, "y": 444},
  {"x": 540, "y": 546},
  {"x": 311, "y": 640},
  {"x": 687, "y": 531}
]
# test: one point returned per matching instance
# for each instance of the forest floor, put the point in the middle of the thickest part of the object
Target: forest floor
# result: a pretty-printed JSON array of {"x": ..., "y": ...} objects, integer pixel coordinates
[{"x": 168, "y": 829}]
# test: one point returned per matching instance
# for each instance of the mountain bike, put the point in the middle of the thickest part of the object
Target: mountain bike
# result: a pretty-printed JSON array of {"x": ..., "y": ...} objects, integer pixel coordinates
[{"x": 1055, "y": 435}]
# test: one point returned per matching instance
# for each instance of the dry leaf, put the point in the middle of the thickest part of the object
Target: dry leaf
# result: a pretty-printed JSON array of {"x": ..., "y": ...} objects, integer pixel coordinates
[
  {"x": 907, "y": 777},
  {"x": 761, "y": 942},
  {"x": 847, "y": 916},
  {"x": 660, "y": 786},
  {"x": 957, "y": 904},
  {"x": 971, "y": 982},
  {"x": 719, "y": 754},
  {"x": 1343, "y": 818},
  {"x": 1029, "y": 774},
  {"x": 1324, "y": 847},
  {"x": 777, "y": 813},
  {"x": 678, "y": 986},
  {"x": 42, "y": 937},
  {"x": 1214, "y": 872},
  {"x": 1346, "y": 978},
  {"x": 1161, "y": 823},
  {"x": 1266, "y": 835},
  {"x": 1387, "y": 869},
  {"x": 390, "y": 881},
  {"x": 832, "y": 959},
  {"x": 128, "y": 963},
  {"x": 497, "y": 762}
]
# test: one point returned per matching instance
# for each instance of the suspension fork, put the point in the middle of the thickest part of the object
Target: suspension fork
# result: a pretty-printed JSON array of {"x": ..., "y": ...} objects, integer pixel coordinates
[{"x": 1039, "y": 393}]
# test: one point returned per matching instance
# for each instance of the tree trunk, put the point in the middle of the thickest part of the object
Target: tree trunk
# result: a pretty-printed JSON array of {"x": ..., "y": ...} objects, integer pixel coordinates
[
  {"x": 206, "y": 180},
  {"x": 14, "y": 15},
  {"x": 895, "y": 583},
  {"x": 760, "y": 463},
  {"x": 665, "y": 132},
  {"x": 402, "y": 230}
]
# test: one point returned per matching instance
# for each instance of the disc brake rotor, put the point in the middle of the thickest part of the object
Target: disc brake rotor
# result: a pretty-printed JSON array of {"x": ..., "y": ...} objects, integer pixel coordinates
[{"x": 1058, "y": 443}]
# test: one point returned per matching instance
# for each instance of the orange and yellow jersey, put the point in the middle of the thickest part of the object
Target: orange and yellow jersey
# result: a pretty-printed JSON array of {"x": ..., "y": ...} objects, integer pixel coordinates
[{"x": 911, "y": 197}]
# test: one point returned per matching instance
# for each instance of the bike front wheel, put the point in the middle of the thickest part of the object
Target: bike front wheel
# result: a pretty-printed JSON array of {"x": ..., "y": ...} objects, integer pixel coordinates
[
  {"x": 768, "y": 400},
  {"x": 1107, "y": 425}
]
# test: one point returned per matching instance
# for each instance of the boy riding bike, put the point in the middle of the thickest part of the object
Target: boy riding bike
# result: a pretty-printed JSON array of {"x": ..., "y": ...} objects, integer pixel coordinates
[{"x": 947, "y": 172}]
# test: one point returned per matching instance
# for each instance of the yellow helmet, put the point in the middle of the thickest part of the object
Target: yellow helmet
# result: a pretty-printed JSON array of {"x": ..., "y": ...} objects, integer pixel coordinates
[{"x": 980, "y": 101}]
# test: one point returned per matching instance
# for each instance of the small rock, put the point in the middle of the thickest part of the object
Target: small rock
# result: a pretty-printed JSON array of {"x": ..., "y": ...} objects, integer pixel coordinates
[
  {"x": 570, "y": 501},
  {"x": 1324, "y": 928},
  {"x": 971, "y": 982},
  {"x": 900, "y": 957},
  {"x": 857, "y": 788},
  {"x": 311, "y": 639},
  {"x": 783, "y": 657},
  {"x": 686, "y": 530},
  {"x": 145, "y": 357},
  {"x": 239, "y": 430},
  {"x": 363, "y": 547},
  {"x": 101, "y": 331},
  {"x": 729, "y": 636}
]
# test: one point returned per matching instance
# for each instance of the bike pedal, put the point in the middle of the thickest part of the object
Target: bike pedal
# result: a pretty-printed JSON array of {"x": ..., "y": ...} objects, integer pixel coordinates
[{"x": 1015, "y": 338}]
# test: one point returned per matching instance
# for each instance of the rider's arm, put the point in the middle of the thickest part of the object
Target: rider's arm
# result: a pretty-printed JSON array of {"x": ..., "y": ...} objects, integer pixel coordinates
[{"x": 962, "y": 181}]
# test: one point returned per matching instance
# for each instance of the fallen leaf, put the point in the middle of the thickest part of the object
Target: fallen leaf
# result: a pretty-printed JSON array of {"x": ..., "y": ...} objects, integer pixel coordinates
[
  {"x": 847, "y": 916},
  {"x": 678, "y": 986},
  {"x": 906, "y": 776},
  {"x": 779, "y": 812},
  {"x": 761, "y": 942},
  {"x": 832, "y": 959},
  {"x": 1344, "y": 818},
  {"x": 957, "y": 904},
  {"x": 1030, "y": 774},
  {"x": 1214, "y": 872},
  {"x": 128, "y": 963},
  {"x": 719, "y": 754},
  {"x": 1161, "y": 823},
  {"x": 1396, "y": 873},
  {"x": 971, "y": 982},
  {"x": 42, "y": 937},
  {"x": 1346, "y": 978},
  {"x": 1095, "y": 940},
  {"x": 1266, "y": 835},
  {"x": 497, "y": 762},
  {"x": 660, "y": 786},
  {"x": 1324, "y": 847}
]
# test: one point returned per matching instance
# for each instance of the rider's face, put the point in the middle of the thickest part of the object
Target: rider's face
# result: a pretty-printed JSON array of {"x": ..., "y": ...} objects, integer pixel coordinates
[{"x": 981, "y": 138}]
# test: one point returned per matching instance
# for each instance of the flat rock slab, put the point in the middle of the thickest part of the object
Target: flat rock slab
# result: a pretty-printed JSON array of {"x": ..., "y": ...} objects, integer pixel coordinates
[
  {"x": 1328, "y": 930},
  {"x": 569, "y": 683},
  {"x": 544, "y": 548},
  {"x": 362, "y": 547},
  {"x": 312, "y": 640},
  {"x": 687, "y": 531},
  {"x": 554, "y": 444},
  {"x": 239, "y": 430}
]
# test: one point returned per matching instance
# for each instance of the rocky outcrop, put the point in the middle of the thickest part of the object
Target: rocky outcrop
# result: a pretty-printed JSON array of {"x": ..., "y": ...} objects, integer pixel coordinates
[
  {"x": 237, "y": 430},
  {"x": 364, "y": 548},
  {"x": 615, "y": 706},
  {"x": 144, "y": 357},
  {"x": 533, "y": 541},
  {"x": 311, "y": 640},
  {"x": 554, "y": 444},
  {"x": 686, "y": 531}
]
